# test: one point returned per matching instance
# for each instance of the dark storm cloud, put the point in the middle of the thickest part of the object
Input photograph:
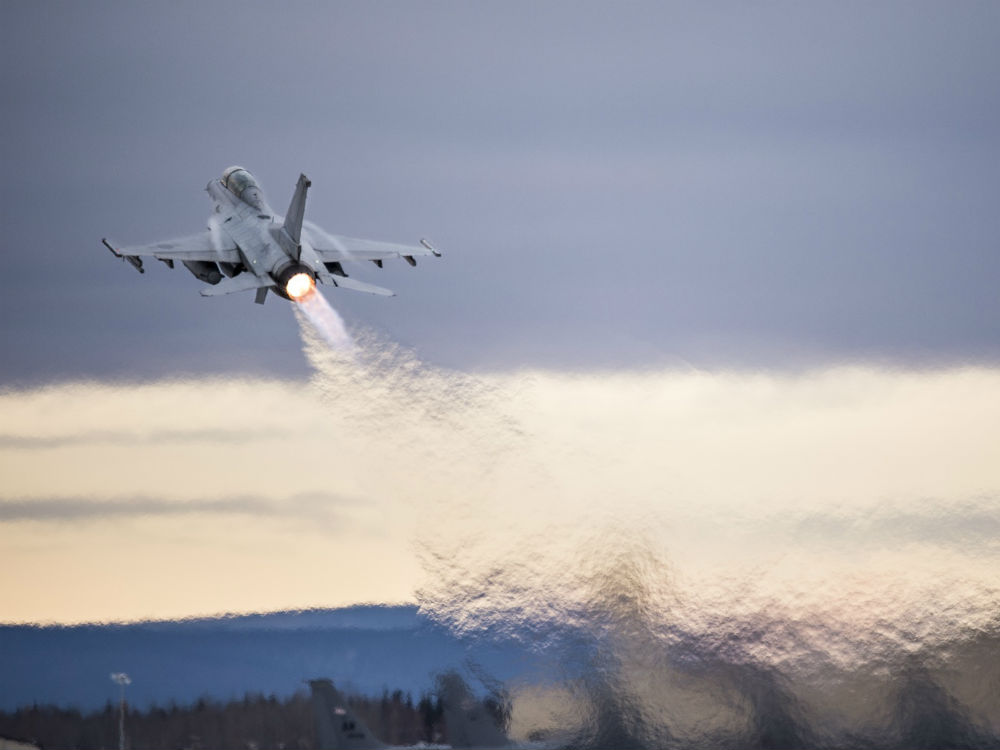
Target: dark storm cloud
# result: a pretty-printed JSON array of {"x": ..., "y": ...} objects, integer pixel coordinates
[
  {"x": 614, "y": 185},
  {"x": 315, "y": 506}
]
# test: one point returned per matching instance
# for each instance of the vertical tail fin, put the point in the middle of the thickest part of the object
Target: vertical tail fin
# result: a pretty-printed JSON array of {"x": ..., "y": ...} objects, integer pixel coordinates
[
  {"x": 296, "y": 211},
  {"x": 469, "y": 723},
  {"x": 337, "y": 727}
]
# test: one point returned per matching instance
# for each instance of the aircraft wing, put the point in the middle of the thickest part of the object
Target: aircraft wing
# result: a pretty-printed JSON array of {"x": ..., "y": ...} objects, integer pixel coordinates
[
  {"x": 349, "y": 248},
  {"x": 334, "y": 248},
  {"x": 195, "y": 247}
]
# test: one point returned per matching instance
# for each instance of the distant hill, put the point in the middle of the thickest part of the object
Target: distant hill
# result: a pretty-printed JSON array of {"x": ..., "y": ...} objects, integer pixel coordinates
[{"x": 365, "y": 649}]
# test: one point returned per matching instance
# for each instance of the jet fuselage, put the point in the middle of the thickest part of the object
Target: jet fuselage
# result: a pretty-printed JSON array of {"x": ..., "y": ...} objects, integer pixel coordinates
[{"x": 244, "y": 217}]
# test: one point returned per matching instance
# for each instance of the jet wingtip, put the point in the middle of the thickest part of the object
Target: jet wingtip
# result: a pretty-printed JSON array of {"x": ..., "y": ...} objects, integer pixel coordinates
[
  {"x": 104, "y": 241},
  {"x": 429, "y": 246}
]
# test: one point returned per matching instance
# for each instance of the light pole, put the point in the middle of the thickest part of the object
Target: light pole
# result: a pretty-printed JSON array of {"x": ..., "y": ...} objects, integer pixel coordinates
[{"x": 122, "y": 679}]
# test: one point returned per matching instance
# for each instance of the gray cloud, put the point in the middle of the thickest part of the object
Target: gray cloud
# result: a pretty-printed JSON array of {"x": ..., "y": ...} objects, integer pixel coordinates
[
  {"x": 313, "y": 506},
  {"x": 124, "y": 437},
  {"x": 962, "y": 526}
]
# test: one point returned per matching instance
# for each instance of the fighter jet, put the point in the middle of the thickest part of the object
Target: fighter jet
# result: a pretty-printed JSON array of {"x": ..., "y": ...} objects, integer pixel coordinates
[
  {"x": 339, "y": 728},
  {"x": 246, "y": 246}
]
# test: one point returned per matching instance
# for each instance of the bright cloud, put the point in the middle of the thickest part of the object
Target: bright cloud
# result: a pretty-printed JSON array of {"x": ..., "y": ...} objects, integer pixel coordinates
[{"x": 384, "y": 480}]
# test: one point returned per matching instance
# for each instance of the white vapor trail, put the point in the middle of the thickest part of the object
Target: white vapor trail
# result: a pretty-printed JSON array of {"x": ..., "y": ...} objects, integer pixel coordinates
[{"x": 325, "y": 321}]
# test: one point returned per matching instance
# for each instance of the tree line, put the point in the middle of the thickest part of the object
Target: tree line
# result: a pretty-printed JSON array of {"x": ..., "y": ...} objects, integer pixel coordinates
[{"x": 255, "y": 722}]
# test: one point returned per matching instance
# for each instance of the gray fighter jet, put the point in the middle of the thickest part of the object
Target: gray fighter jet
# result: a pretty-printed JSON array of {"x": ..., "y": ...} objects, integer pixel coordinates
[
  {"x": 469, "y": 725},
  {"x": 247, "y": 247}
]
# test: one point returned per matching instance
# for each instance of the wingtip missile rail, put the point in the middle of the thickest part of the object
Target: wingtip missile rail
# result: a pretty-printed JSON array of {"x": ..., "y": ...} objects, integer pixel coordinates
[
  {"x": 135, "y": 262},
  {"x": 429, "y": 246}
]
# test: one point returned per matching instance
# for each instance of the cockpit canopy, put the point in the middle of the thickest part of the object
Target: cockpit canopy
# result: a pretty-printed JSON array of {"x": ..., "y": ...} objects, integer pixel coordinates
[{"x": 242, "y": 184}]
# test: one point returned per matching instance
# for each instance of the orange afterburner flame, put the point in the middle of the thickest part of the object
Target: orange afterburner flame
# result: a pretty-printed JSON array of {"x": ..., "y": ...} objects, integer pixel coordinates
[{"x": 300, "y": 286}]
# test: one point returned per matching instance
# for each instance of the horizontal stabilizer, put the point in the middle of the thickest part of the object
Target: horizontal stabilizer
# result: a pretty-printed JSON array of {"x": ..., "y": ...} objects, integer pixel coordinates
[
  {"x": 346, "y": 282},
  {"x": 240, "y": 283}
]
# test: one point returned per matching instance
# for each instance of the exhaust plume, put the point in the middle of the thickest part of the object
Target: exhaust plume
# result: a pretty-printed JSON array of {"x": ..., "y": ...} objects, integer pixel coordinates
[
  {"x": 685, "y": 559},
  {"x": 698, "y": 560},
  {"x": 314, "y": 313}
]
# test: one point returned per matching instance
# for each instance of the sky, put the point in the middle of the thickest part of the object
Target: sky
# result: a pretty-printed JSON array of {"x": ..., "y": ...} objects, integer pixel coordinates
[
  {"x": 718, "y": 280},
  {"x": 614, "y": 185}
]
